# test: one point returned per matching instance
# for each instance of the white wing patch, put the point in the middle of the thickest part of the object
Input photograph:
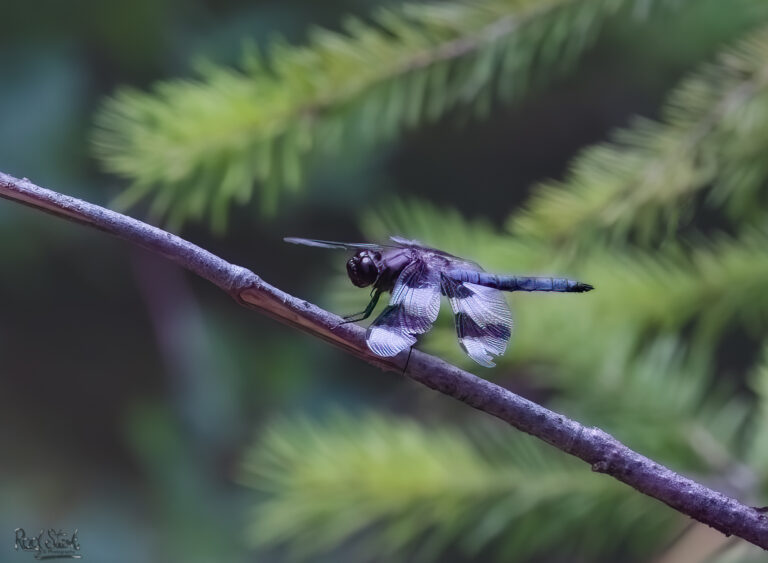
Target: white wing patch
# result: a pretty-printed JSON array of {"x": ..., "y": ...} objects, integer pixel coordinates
[{"x": 412, "y": 309}]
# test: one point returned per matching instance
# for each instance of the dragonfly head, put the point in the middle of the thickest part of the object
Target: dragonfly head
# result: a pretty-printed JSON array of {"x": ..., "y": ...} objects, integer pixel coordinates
[{"x": 363, "y": 268}]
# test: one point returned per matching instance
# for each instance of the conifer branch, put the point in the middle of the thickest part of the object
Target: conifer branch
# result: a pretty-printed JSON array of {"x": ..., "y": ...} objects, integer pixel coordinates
[
  {"x": 604, "y": 453},
  {"x": 396, "y": 486},
  {"x": 637, "y": 182},
  {"x": 199, "y": 144}
]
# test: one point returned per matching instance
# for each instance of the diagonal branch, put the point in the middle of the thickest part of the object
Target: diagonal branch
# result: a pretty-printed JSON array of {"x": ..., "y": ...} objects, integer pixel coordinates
[{"x": 603, "y": 452}]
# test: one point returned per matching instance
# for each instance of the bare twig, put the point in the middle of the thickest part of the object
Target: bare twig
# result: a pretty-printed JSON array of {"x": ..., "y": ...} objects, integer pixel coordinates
[{"x": 603, "y": 452}]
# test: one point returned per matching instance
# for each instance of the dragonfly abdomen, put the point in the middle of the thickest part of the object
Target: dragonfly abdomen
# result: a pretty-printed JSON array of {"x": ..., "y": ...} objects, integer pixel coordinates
[{"x": 519, "y": 283}]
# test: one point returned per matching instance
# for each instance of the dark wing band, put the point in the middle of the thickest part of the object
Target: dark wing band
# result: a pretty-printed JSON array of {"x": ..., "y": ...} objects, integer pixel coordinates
[
  {"x": 412, "y": 309},
  {"x": 483, "y": 320},
  {"x": 333, "y": 244}
]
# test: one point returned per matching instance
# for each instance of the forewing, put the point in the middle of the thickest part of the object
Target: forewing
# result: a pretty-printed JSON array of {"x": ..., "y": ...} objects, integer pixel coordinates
[
  {"x": 483, "y": 320},
  {"x": 412, "y": 309},
  {"x": 333, "y": 244},
  {"x": 400, "y": 241},
  {"x": 456, "y": 260}
]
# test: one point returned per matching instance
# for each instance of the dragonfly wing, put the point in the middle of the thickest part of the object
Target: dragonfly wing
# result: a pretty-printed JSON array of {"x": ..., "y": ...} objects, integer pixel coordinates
[
  {"x": 458, "y": 262},
  {"x": 412, "y": 309},
  {"x": 334, "y": 244},
  {"x": 400, "y": 241},
  {"x": 483, "y": 320}
]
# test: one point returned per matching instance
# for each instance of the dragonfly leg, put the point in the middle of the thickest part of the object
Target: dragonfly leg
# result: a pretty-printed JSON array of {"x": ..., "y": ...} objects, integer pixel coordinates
[
  {"x": 407, "y": 360},
  {"x": 361, "y": 316}
]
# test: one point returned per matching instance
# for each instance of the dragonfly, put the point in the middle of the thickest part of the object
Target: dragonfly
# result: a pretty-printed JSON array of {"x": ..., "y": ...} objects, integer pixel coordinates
[{"x": 416, "y": 276}]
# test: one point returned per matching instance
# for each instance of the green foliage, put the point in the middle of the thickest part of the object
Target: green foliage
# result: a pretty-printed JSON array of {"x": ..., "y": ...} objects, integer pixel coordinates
[
  {"x": 389, "y": 486},
  {"x": 712, "y": 137},
  {"x": 199, "y": 144}
]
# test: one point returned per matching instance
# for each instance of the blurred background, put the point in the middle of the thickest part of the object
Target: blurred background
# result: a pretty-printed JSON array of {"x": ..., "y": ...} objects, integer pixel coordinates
[{"x": 144, "y": 408}]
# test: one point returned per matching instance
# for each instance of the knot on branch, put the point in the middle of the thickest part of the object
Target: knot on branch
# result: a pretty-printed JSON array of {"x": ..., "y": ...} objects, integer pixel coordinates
[{"x": 241, "y": 279}]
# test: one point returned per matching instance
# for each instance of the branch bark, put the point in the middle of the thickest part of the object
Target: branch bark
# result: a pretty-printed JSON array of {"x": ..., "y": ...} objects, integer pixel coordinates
[{"x": 602, "y": 451}]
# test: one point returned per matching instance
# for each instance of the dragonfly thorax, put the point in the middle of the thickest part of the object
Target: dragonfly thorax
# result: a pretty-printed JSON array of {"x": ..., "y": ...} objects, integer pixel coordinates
[{"x": 363, "y": 269}]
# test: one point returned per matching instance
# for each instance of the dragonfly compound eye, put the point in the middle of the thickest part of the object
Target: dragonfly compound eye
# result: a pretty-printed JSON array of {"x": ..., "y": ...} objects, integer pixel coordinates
[{"x": 361, "y": 270}]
